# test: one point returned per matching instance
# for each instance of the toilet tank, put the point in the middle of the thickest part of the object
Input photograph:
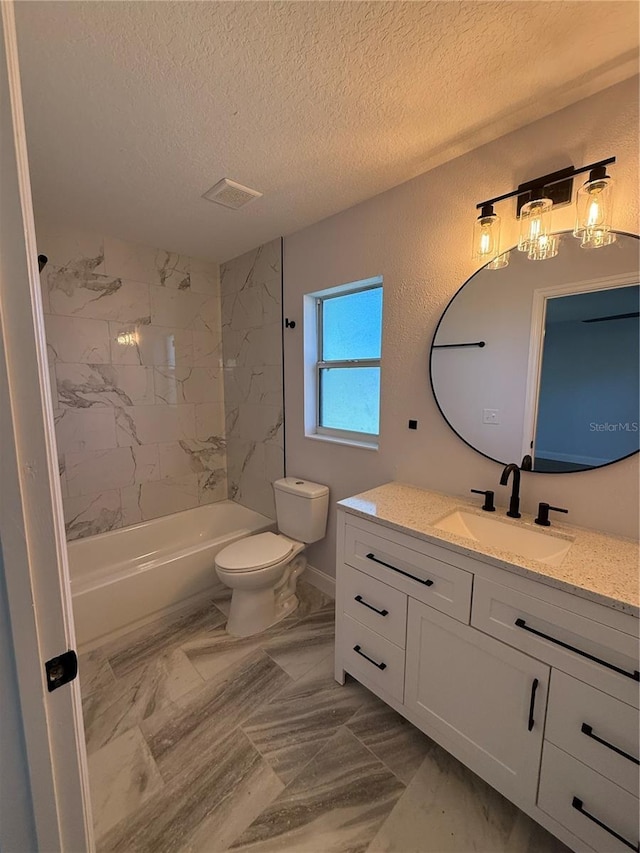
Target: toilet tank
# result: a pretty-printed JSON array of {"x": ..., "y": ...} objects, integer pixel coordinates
[{"x": 301, "y": 508}]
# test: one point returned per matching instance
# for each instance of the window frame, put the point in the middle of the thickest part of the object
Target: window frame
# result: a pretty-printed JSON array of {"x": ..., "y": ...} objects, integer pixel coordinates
[{"x": 369, "y": 439}]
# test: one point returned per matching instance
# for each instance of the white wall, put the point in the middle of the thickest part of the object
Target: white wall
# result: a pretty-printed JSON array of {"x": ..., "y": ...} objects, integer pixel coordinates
[
  {"x": 418, "y": 236},
  {"x": 17, "y": 830}
]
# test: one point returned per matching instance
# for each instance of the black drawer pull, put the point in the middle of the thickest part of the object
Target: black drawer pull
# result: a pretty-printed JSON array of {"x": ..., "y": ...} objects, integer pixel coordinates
[
  {"x": 587, "y": 730},
  {"x": 635, "y": 675},
  {"x": 532, "y": 704},
  {"x": 400, "y": 571},
  {"x": 371, "y": 660},
  {"x": 361, "y": 600},
  {"x": 577, "y": 804}
]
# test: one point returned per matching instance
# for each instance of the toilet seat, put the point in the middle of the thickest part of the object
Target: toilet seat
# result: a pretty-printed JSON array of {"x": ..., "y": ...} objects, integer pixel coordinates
[{"x": 254, "y": 552}]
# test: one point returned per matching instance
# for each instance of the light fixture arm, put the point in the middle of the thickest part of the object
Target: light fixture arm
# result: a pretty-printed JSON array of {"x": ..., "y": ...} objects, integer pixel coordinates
[{"x": 535, "y": 188}]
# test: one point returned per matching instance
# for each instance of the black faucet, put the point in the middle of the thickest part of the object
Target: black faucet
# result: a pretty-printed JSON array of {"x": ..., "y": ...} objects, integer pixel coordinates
[{"x": 514, "y": 502}]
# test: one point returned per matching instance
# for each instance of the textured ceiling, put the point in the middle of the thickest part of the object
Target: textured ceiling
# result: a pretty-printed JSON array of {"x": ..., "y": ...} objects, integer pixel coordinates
[{"x": 134, "y": 109}]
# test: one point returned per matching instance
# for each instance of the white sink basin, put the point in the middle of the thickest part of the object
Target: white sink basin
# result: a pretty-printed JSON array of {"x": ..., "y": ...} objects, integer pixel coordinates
[{"x": 508, "y": 537}]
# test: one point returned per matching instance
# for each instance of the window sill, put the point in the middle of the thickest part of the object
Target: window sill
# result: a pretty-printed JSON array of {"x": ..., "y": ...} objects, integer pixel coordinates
[{"x": 347, "y": 442}]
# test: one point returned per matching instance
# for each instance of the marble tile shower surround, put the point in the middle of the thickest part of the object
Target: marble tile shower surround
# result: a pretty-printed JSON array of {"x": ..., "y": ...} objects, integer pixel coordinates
[
  {"x": 252, "y": 346},
  {"x": 135, "y": 352},
  {"x": 204, "y": 743}
]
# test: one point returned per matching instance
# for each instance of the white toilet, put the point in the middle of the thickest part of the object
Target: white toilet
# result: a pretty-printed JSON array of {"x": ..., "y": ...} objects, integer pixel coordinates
[{"x": 262, "y": 570}]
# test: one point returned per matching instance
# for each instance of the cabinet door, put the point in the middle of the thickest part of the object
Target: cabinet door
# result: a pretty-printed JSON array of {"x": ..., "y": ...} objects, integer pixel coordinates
[{"x": 480, "y": 699}]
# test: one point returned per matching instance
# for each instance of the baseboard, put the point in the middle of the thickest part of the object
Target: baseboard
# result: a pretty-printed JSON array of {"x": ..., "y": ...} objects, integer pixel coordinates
[{"x": 322, "y": 581}]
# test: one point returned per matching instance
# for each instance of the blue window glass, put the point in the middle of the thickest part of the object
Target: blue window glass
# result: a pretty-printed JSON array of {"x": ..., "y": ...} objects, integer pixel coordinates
[
  {"x": 350, "y": 399},
  {"x": 352, "y": 325}
]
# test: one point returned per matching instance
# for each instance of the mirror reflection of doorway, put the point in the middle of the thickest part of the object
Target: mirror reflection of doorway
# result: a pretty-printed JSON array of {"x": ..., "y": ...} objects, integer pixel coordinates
[{"x": 588, "y": 400}]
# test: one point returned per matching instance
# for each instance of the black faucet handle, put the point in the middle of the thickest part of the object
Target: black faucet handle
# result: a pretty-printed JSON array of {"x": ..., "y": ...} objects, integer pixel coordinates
[
  {"x": 543, "y": 513},
  {"x": 488, "y": 499}
]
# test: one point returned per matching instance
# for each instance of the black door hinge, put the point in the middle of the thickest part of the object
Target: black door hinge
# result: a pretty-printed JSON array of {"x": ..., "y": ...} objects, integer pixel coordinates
[{"x": 61, "y": 670}]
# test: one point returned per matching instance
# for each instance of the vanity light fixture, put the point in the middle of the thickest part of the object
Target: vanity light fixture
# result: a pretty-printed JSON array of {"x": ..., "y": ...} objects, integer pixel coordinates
[
  {"x": 486, "y": 235},
  {"x": 535, "y": 202},
  {"x": 593, "y": 214},
  {"x": 499, "y": 262},
  {"x": 546, "y": 246},
  {"x": 535, "y": 224}
]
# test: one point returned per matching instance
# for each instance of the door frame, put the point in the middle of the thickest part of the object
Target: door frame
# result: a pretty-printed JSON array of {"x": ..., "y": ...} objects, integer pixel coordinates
[
  {"x": 31, "y": 516},
  {"x": 536, "y": 343}
]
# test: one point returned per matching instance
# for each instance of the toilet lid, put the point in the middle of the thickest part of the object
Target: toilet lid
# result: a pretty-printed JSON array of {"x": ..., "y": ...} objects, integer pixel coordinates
[{"x": 254, "y": 552}]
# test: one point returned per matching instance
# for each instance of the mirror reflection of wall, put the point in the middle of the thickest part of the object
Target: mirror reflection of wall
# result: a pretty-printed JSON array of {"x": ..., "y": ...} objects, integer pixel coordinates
[
  {"x": 525, "y": 315},
  {"x": 588, "y": 394}
]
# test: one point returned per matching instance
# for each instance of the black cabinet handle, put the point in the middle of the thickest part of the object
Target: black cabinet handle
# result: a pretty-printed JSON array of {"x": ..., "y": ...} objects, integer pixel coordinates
[
  {"x": 577, "y": 804},
  {"x": 371, "y": 660},
  {"x": 588, "y": 731},
  {"x": 361, "y": 600},
  {"x": 400, "y": 571},
  {"x": 532, "y": 704},
  {"x": 635, "y": 675}
]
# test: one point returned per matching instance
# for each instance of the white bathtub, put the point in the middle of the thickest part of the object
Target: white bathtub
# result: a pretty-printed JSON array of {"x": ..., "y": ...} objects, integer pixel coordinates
[{"x": 125, "y": 577}]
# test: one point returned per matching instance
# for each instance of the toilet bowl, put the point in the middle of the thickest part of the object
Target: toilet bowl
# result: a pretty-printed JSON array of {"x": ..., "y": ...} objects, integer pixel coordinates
[{"x": 263, "y": 570}]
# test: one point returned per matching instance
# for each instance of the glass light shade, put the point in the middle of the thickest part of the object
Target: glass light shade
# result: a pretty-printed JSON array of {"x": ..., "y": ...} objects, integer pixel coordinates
[
  {"x": 546, "y": 246},
  {"x": 594, "y": 203},
  {"x": 486, "y": 236},
  {"x": 535, "y": 222},
  {"x": 597, "y": 238},
  {"x": 499, "y": 262}
]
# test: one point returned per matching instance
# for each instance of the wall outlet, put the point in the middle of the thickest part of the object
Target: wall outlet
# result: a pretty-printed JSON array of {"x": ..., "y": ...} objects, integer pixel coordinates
[{"x": 490, "y": 416}]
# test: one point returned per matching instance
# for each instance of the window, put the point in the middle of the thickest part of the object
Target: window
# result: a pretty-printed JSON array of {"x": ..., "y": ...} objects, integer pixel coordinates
[{"x": 347, "y": 366}]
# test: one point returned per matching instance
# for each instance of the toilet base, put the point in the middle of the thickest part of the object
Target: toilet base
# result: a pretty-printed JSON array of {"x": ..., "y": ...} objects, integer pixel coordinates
[{"x": 254, "y": 610}]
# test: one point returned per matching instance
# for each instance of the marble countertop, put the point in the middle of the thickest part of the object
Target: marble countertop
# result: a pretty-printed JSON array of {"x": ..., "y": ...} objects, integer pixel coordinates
[{"x": 598, "y": 567}]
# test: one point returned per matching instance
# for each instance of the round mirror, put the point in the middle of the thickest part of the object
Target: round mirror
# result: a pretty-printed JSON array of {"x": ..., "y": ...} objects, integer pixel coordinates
[{"x": 538, "y": 362}]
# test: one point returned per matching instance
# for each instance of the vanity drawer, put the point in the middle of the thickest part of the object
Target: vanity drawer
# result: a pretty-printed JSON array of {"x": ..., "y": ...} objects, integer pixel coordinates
[
  {"x": 596, "y": 810},
  {"x": 594, "y": 727},
  {"x": 376, "y": 605},
  {"x": 420, "y": 575},
  {"x": 591, "y": 651},
  {"x": 372, "y": 659}
]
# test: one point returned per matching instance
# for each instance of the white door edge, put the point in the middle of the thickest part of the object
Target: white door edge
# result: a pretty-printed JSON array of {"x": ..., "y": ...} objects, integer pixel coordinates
[{"x": 31, "y": 517}]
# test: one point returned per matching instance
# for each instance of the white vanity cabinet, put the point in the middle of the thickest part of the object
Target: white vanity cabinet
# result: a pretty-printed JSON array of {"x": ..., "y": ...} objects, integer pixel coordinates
[
  {"x": 485, "y": 700},
  {"x": 533, "y": 688}
]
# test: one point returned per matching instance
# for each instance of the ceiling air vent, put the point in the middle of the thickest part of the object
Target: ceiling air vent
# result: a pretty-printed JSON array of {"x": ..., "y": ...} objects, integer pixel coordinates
[{"x": 231, "y": 194}]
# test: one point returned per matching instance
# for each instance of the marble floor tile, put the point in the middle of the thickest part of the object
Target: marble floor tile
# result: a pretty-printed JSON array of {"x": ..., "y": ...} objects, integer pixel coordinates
[
  {"x": 292, "y": 728},
  {"x": 448, "y": 809},
  {"x": 203, "y": 811},
  {"x": 94, "y": 671},
  {"x": 139, "y": 647},
  {"x": 174, "y": 671},
  {"x": 312, "y": 640},
  {"x": 190, "y": 733},
  {"x": 393, "y": 739},
  {"x": 527, "y": 836},
  {"x": 113, "y": 709},
  {"x": 200, "y": 742},
  {"x": 215, "y": 652},
  {"x": 336, "y": 804},
  {"x": 122, "y": 776},
  {"x": 310, "y": 599}
]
